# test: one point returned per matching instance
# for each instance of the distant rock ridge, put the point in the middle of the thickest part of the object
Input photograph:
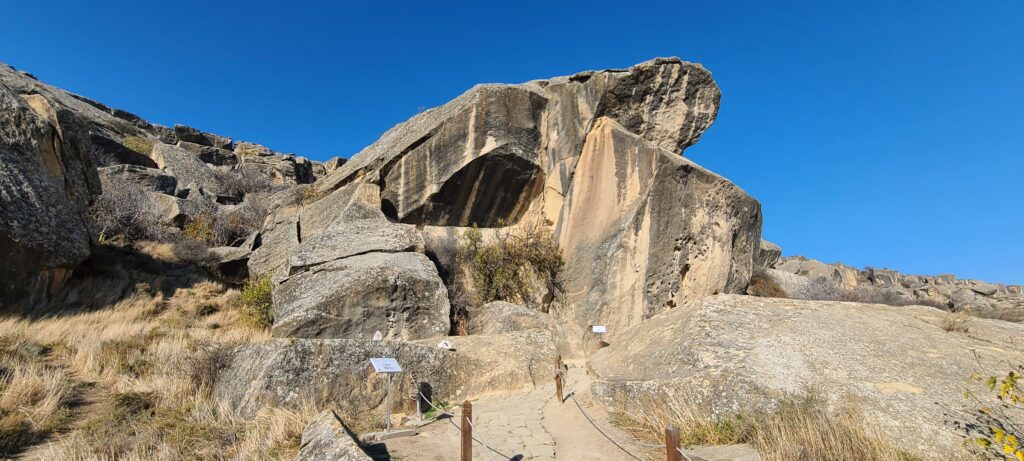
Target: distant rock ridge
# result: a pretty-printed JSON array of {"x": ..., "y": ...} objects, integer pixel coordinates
[{"x": 885, "y": 286}]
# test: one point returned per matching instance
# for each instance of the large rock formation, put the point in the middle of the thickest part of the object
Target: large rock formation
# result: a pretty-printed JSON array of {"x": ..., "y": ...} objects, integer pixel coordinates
[
  {"x": 337, "y": 372},
  {"x": 737, "y": 352},
  {"x": 594, "y": 157},
  {"x": 47, "y": 182}
]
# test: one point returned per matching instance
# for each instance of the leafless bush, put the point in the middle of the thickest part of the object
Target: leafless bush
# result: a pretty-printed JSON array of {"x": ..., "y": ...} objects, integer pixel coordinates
[
  {"x": 241, "y": 182},
  {"x": 192, "y": 251},
  {"x": 234, "y": 226},
  {"x": 126, "y": 211},
  {"x": 764, "y": 286}
]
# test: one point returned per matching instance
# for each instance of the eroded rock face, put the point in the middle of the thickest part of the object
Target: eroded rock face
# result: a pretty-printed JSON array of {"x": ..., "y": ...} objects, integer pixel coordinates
[
  {"x": 326, "y": 439},
  {"x": 502, "y": 317},
  {"x": 398, "y": 294},
  {"x": 595, "y": 157},
  {"x": 150, "y": 179},
  {"x": 47, "y": 182},
  {"x": 643, "y": 230},
  {"x": 337, "y": 372},
  {"x": 737, "y": 352}
]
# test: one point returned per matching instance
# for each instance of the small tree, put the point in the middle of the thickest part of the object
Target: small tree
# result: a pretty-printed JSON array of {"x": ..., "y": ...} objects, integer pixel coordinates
[{"x": 125, "y": 211}]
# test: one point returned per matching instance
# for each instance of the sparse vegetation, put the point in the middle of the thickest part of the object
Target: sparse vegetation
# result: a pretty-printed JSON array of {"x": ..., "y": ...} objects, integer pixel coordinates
[
  {"x": 957, "y": 322},
  {"x": 800, "y": 428},
  {"x": 995, "y": 429},
  {"x": 139, "y": 144},
  {"x": 514, "y": 265},
  {"x": 126, "y": 212},
  {"x": 763, "y": 286},
  {"x": 123, "y": 366},
  {"x": 256, "y": 305}
]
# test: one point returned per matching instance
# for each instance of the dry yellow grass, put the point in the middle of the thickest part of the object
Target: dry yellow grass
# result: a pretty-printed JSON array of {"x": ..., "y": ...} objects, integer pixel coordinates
[
  {"x": 958, "y": 322},
  {"x": 801, "y": 429},
  {"x": 143, "y": 369}
]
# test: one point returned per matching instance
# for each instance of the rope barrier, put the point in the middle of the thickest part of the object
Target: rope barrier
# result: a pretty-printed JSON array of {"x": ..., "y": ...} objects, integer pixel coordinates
[
  {"x": 450, "y": 420},
  {"x": 573, "y": 398}
]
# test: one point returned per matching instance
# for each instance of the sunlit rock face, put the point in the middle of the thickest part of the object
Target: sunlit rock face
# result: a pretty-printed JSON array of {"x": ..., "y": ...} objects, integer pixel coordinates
[{"x": 594, "y": 157}]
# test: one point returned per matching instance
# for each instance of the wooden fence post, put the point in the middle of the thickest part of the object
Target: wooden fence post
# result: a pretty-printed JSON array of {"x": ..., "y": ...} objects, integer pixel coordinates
[
  {"x": 467, "y": 431},
  {"x": 558, "y": 386},
  {"x": 672, "y": 444}
]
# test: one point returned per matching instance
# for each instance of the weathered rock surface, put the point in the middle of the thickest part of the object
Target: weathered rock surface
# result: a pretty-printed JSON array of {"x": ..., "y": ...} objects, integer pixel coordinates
[
  {"x": 398, "y": 294},
  {"x": 47, "y": 182},
  {"x": 285, "y": 169},
  {"x": 337, "y": 372},
  {"x": 194, "y": 136},
  {"x": 326, "y": 439},
  {"x": 149, "y": 179},
  {"x": 643, "y": 230},
  {"x": 211, "y": 155},
  {"x": 738, "y": 352},
  {"x": 502, "y": 317},
  {"x": 189, "y": 170},
  {"x": 838, "y": 281},
  {"x": 766, "y": 255},
  {"x": 595, "y": 157}
]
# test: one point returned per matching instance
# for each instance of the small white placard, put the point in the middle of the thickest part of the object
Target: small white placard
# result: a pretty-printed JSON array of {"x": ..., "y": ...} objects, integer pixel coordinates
[
  {"x": 600, "y": 329},
  {"x": 378, "y": 336},
  {"x": 385, "y": 365}
]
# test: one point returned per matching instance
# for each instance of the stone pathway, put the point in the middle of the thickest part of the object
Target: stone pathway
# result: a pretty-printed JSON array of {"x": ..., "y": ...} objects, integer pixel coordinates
[{"x": 523, "y": 425}]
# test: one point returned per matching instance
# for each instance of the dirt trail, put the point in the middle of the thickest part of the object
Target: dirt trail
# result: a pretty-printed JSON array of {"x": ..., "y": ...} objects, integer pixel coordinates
[{"x": 529, "y": 425}]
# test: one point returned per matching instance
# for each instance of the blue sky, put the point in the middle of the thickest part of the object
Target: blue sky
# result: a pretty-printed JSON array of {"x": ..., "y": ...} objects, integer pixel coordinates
[{"x": 873, "y": 133}]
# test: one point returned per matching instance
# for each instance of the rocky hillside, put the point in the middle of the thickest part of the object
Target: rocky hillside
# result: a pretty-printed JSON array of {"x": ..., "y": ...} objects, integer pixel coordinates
[{"x": 507, "y": 223}]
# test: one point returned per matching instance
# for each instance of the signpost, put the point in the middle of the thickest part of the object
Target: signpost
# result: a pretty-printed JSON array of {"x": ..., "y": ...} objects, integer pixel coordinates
[
  {"x": 599, "y": 329},
  {"x": 386, "y": 366}
]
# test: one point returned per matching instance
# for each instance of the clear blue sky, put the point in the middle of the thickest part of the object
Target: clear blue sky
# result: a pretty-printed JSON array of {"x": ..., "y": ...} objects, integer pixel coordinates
[{"x": 873, "y": 133}]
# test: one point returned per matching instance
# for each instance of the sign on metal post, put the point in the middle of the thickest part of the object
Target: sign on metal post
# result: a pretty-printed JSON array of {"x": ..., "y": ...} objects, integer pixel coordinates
[{"x": 387, "y": 366}]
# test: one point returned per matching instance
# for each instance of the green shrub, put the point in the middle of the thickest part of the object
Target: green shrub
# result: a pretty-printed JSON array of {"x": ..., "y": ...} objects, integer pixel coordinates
[
  {"x": 509, "y": 266},
  {"x": 256, "y": 305},
  {"x": 139, "y": 144}
]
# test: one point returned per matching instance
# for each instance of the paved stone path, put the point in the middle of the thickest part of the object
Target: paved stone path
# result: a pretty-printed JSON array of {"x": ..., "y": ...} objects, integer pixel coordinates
[{"x": 528, "y": 425}]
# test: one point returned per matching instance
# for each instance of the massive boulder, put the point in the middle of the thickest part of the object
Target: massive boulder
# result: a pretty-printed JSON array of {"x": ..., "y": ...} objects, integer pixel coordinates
[
  {"x": 337, "y": 372},
  {"x": 594, "y": 157},
  {"x": 502, "y": 317},
  {"x": 737, "y": 352},
  {"x": 398, "y": 294},
  {"x": 47, "y": 183},
  {"x": 189, "y": 170}
]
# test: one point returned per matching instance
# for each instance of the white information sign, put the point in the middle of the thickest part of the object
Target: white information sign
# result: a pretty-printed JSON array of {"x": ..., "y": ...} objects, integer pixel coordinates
[
  {"x": 378, "y": 336},
  {"x": 385, "y": 365},
  {"x": 600, "y": 329}
]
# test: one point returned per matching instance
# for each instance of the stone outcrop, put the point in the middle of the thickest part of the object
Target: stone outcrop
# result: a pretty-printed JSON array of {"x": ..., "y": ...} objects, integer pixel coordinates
[
  {"x": 47, "y": 183},
  {"x": 326, "y": 439},
  {"x": 191, "y": 135},
  {"x": 337, "y": 372},
  {"x": 737, "y": 352},
  {"x": 595, "y": 158},
  {"x": 398, "y": 294},
  {"x": 767, "y": 255},
  {"x": 502, "y": 317},
  {"x": 838, "y": 281},
  {"x": 149, "y": 179}
]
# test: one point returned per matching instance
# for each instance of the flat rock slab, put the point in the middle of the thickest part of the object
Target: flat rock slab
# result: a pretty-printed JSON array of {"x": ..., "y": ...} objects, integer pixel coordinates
[{"x": 735, "y": 352}]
